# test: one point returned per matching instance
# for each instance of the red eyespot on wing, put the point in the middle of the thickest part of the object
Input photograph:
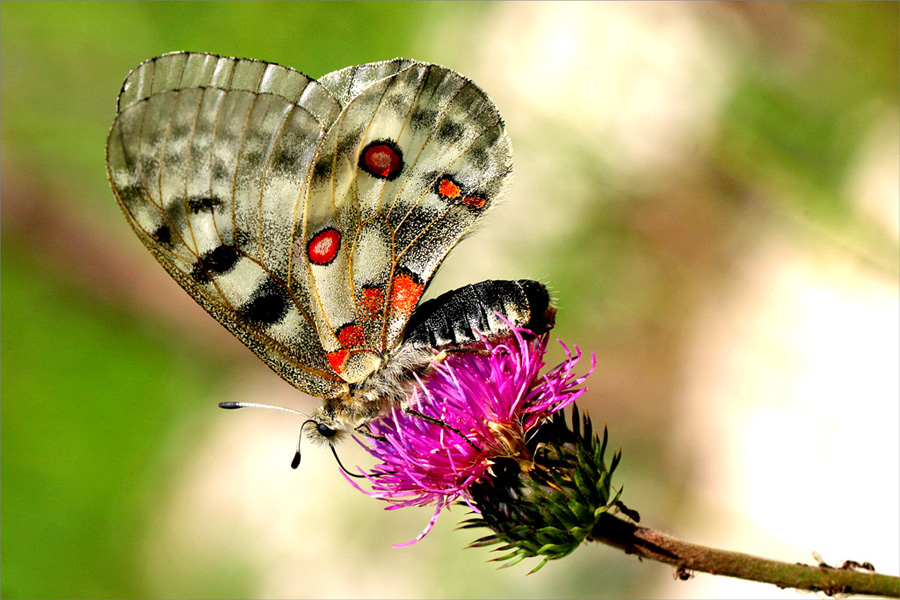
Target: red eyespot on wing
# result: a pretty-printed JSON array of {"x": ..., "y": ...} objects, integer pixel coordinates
[
  {"x": 448, "y": 189},
  {"x": 382, "y": 159},
  {"x": 337, "y": 360},
  {"x": 405, "y": 294},
  {"x": 324, "y": 246},
  {"x": 474, "y": 201},
  {"x": 351, "y": 336}
]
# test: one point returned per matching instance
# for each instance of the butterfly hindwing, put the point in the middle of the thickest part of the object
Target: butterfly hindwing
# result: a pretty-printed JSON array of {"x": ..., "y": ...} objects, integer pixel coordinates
[
  {"x": 412, "y": 162},
  {"x": 347, "y": 83}
]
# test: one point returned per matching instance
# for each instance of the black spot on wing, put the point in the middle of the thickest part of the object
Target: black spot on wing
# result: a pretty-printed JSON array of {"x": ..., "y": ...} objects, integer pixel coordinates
[
  {"x": 323, "y": 167},
  {"x": 221, "y": 260},
  {"x": 424, "y": 118},
  {"x": 218, "y": 261},
  {"x": 198, "y": 205},
  {"x": 267, "y": 305},
  {"x": 449, "y": 131},
  {"x": 285, "y": 159},
  {"x": 163, "y": 235}
]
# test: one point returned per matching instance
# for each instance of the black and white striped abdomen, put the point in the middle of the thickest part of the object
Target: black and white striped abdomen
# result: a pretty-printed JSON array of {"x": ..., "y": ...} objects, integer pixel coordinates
[{"x": 448, "y": 321}]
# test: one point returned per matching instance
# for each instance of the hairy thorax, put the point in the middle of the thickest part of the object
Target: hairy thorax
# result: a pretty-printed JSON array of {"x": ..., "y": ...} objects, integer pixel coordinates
[{"x": 385, "y": 386}]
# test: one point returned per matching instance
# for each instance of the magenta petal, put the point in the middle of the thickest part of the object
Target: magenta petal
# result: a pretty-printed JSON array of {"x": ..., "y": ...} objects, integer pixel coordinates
[{"x": 492, "y": 400}]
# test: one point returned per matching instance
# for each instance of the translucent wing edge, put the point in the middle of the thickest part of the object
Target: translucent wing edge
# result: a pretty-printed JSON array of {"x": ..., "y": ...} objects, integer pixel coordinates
[{"x": 181, "y": 69}]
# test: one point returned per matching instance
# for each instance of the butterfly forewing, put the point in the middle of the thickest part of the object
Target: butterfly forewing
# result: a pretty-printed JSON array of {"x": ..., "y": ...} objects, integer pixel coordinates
[{"x": 204, "y": 175}]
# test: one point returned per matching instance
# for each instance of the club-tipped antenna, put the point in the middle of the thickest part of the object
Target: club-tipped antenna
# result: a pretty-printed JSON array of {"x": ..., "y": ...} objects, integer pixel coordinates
[
  {"x": 295, "y": 462},
  {"x": 233, "y": 405}
]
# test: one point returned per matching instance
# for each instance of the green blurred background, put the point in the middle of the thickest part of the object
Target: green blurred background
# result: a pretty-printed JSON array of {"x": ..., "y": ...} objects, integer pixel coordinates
[{"x": 710, "y": 190}]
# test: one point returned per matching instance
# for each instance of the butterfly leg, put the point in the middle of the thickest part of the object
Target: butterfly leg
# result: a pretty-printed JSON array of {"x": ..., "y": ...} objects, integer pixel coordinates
[
  {"x": 447, "y": 353},
  {"x": 364, "y": 430},
  {"x": 414, "y": 413},
  {"x": 444, "y": 354}
]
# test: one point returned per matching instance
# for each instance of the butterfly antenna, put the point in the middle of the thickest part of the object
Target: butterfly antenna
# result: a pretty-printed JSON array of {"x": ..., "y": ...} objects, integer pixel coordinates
[
  {"x": 233, "y": 405},
  {"x": 295, "y": 462}
]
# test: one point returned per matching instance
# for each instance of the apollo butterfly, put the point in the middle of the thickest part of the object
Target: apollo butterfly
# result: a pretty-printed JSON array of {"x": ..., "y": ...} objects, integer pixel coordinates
[{"x": 308, "y": 216}]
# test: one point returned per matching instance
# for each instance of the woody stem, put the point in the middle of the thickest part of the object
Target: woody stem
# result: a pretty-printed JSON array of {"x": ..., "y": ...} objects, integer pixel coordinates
[{"x": 654, "y": 545}]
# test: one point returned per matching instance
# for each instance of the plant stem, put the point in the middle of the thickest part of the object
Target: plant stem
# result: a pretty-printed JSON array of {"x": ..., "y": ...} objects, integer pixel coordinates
[{"x": 687, "y": 557}]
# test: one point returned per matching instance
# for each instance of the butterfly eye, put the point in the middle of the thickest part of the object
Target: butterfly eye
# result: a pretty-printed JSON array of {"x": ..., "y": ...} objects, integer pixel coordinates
[{"x": 325, "y": 431}]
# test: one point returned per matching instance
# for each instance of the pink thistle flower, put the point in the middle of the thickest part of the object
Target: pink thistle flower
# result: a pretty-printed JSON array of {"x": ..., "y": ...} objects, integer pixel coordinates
[{"x": 477, "y": 408}]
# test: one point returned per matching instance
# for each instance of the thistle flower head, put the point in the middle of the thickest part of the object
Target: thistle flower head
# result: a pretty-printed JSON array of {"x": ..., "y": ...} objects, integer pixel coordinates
[{"x": 466, "y": 421}]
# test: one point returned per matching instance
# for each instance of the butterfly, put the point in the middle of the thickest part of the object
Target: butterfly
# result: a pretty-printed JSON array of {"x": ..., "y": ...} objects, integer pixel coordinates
[{"x": 309, "y": 216}]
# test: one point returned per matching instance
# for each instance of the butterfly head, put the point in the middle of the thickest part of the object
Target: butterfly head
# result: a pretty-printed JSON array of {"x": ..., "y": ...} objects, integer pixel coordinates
[
  {"x": 325, "y": 426},
  {"x": 319, "y": 432}
]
